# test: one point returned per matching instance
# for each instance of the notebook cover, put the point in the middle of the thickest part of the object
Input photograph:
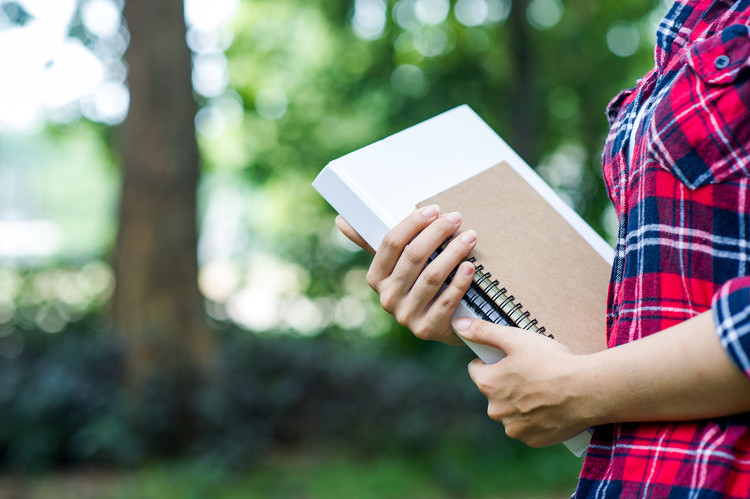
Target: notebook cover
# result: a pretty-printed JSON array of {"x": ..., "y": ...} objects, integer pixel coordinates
[{"x": 534, "y": 252}]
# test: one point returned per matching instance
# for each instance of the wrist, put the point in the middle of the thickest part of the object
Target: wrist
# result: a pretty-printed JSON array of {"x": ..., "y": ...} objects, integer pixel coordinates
[{"x": 592, "y": 401}]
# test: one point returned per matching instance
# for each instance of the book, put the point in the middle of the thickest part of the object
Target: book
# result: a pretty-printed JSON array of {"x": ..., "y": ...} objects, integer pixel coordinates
[{"x": 538, "y": 264}]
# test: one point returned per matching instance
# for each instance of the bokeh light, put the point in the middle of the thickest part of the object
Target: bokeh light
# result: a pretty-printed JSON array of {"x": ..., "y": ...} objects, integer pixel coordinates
[
  {"x": 368, "y": 21},
  {"x": 544, "y": 14},
  {"x": 623, "y": 39}
]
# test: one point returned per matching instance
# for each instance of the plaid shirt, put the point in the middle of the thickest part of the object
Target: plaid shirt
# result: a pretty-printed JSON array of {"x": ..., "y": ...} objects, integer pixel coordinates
[{"x": 682, "y": 193}]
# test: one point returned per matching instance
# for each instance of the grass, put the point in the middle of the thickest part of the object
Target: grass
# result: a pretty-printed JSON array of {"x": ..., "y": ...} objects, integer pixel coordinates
[{"x": 452, "y": 473}]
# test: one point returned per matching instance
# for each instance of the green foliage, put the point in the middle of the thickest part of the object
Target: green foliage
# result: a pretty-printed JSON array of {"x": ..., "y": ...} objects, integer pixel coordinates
[
  {"x": 343, "y": 92},
  {"x": 313, "y": 90},
  {"x": 62, "y": 404},
  {"x": 315, "y": 474}
]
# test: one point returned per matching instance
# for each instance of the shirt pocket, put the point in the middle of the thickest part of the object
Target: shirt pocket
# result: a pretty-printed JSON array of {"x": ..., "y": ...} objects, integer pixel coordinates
[{"x": 700, "y": 128}]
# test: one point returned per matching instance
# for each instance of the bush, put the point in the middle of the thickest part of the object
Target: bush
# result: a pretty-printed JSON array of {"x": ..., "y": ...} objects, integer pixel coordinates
[{"x": 63, "y": 402}]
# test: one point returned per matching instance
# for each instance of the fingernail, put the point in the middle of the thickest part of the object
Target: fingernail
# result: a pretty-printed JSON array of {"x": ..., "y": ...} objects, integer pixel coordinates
[
  {"x": 430, "y": 211},
  {"x": 454, "y": 217},
  {"x": 467, "y": 268},
  {"x": 461, "y": 324},
  {"x": 469, "y": 237}
]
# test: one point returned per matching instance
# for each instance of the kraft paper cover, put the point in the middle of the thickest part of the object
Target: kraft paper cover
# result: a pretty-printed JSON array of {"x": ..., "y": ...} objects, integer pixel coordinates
[{"x": 535, "y": 253}]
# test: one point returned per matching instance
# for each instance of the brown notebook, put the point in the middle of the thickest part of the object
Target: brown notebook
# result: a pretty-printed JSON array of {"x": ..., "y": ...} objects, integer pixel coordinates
[{"x": 552, "y": 273}]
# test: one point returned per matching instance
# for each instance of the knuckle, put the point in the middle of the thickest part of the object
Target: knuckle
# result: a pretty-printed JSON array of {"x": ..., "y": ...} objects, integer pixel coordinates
[
  {"x": 478, "y": 330},
  {"x": 446, "y": 303},
  {"x": 484, "y": 385},
  {"x": 390, "y": 242},
  {"x": 422, "y": 331},
  {"x": 513, "y": 431},
  {"x": 413, "y": 253},
  {"x": 372, "y": 281},
  {"x": 387, "y": 301},
  {"x": 432, "y": 277},
  {"x": 402, "y": 316},
  {"x": 494, "y": 413}
]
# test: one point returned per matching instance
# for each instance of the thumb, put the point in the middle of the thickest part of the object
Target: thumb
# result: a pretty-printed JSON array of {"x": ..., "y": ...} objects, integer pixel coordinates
[{"x": 487, "y": 333}]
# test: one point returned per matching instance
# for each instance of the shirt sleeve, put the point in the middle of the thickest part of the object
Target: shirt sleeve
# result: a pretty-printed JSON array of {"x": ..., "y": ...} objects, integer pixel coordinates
[{"x": 731, "y": 310}]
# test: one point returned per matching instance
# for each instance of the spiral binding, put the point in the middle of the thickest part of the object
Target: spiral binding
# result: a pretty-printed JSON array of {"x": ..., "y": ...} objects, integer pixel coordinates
[
  {"x": 494, "y": 303},
  {"x": 490, "y": 297}
]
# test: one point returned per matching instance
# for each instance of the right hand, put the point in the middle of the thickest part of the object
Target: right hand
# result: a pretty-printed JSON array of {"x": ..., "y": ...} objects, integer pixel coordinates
[{"x": 408, "y": 290}]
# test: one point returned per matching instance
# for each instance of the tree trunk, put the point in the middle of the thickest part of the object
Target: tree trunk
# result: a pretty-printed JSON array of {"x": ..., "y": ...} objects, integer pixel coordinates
[
  {"x": 523, "y": 107},
  {"x": 157, "y": 305}
]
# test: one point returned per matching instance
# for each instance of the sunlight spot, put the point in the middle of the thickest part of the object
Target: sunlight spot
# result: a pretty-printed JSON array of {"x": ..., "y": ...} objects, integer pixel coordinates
[
  {"x": 20, "y": 239},
  {"x": 210, "y": 77},
  {"x": 564, "y": 171},
  {"x": 209, "y": 42},
  {"x": 432, "y": 41},
  {"x": 219, "y": 280},
  {"x": 432, "y": 12},
  {"x": 471, "y": 12},
  {"x": 409, "y": 80},
  {"x": 303, "y": 315},
  {"x": 254, "y": 308},
  {"x": 404, "y": 12},
  {"x": 351, "y": 312},
  {"x": 271, "y": 103},
  {"x": 108, "y": 104},
  {"x": 220, "y": 115},
  {"x": 544, "y": 14},
  {"x": 207, "y": 15},
  {"x": 499, "y": 10},
  {"x": 101, "y": 17},
  {"x": 623, "y": 39},
  {"x": 74, "y": 73},
  {"x": 368, "y": 21}
]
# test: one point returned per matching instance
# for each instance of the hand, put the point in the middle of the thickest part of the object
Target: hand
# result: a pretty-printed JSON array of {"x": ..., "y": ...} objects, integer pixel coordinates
[
  {"x": 352, "y": 234},
  {"x": 412, "y": 292},
  {"x": 535, "y": 390}
]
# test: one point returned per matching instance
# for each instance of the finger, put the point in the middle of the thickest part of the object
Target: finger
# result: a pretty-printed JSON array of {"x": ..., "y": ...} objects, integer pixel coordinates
[
  {"x": 476, "y": 370},
  {"x": 352, "y": 234},
  {"x": 442, "y": 308},
  {"x": 486, "y": 333},
  {"x": 415, "y": 255},
  {"x": 435, "y": 323},
  {"x": 396, "y": 239},
  {"x": 433, "y": 277}
]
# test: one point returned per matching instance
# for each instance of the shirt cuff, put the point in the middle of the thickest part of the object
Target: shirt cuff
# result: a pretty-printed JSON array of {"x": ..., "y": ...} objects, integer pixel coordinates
[{"x": 731, "y": 310}]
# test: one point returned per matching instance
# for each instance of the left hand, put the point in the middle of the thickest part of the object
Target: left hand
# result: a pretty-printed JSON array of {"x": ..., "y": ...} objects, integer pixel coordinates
[{"x": 538, "y": 391}]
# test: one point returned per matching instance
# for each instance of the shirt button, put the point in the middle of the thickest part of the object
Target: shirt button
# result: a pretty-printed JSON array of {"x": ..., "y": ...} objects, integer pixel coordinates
[{"x": 721, "y": 62}]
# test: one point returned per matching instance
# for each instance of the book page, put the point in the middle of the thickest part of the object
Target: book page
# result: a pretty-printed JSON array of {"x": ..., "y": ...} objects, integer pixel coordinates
[{"x": 534, "y": 252}]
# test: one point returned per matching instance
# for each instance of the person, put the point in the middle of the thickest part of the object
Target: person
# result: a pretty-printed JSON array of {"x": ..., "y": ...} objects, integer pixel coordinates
[{"x": 668, "y": 399}]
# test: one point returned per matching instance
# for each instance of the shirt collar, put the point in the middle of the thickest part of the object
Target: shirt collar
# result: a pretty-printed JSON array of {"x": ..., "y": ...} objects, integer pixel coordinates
[{"x": 688, "y": 21}]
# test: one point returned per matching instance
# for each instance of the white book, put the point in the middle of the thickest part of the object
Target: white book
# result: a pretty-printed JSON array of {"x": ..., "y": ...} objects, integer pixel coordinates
[{"x": 555, "y": 265}]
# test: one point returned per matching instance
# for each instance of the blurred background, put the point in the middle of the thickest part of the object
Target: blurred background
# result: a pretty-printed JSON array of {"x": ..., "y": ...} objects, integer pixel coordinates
[{"x": 178, "y": 315}]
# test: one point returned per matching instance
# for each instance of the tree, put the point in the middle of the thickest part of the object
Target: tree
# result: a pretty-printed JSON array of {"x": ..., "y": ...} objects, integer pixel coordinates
[{"x": 158, "y": 307}]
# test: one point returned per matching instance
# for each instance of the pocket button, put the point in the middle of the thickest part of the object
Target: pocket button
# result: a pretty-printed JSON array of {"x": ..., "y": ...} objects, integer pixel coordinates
[{"x": 721, "y": 62}]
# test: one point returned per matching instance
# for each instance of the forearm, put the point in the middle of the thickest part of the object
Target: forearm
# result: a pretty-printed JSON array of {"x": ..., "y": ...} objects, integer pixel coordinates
[{"x": 681, "y": 373}]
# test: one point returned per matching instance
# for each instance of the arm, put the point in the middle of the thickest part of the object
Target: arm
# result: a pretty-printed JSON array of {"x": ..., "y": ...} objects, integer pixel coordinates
[
  {"x": 412, "y": 292},
  {"x": 544, "y": 394}
]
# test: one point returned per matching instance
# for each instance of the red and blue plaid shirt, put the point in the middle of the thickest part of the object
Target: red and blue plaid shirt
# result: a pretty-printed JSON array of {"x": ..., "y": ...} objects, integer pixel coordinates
[{"x": 677, "y": 168}]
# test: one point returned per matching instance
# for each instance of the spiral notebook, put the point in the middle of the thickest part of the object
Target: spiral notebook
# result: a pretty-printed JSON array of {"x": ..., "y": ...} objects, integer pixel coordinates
[
  {"x": 539, "y": 266},
  {"x": 533, "y": 270}
]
